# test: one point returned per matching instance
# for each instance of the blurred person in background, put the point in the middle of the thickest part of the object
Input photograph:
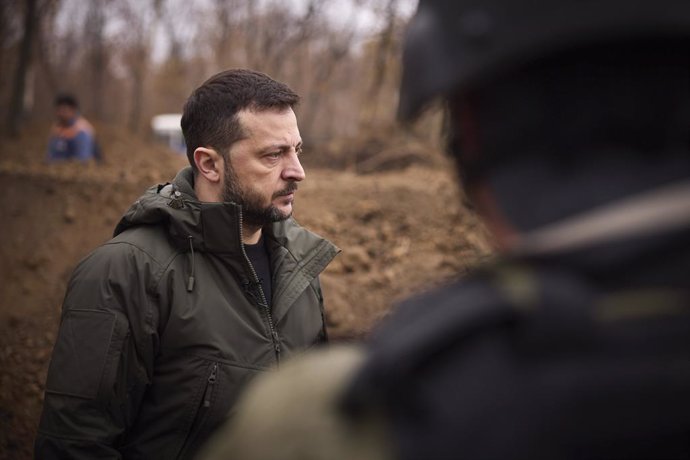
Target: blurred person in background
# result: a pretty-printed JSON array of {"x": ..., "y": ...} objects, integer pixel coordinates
[
  {"x": 569, "y": 123},
  {"x": 72, "y": 136},
  {"x": 207, "y": 282}
]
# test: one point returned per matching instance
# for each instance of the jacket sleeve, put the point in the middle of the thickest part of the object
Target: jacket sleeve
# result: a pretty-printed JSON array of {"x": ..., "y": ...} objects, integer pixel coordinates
[{"x": 103, "y": 357}]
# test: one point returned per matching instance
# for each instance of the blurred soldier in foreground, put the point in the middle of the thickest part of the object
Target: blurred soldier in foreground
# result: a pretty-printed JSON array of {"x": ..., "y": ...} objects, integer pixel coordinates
[
  {"x": 570, "y": 127},
  {"x": 72, "y": 136}
]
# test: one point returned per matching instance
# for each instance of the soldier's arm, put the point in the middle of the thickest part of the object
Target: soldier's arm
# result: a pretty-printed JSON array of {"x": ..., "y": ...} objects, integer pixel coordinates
[{"x": 298, "y": 408}]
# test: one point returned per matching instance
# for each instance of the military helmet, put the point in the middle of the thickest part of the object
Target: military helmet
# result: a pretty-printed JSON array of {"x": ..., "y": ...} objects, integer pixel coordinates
[{"x": 452, "y": 44}]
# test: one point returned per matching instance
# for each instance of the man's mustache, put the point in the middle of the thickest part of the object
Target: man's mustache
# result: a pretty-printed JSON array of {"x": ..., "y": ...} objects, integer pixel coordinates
[{"x": 291, "y": 187}]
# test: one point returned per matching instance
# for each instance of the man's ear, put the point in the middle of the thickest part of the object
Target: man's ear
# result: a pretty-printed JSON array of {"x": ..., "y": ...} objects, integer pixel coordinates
[{"x": 209, "y": 164}]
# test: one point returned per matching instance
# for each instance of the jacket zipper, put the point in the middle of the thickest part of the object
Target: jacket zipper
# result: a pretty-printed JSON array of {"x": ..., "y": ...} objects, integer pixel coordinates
[
  {"x": 262, "y": 298},
  {"x": 201, "y": 413},
  {"x": 208, "y": 392}
]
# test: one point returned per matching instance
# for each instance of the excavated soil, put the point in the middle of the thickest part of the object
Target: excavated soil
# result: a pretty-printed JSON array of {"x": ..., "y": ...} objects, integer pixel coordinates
[{"x": 401, "y": 232}]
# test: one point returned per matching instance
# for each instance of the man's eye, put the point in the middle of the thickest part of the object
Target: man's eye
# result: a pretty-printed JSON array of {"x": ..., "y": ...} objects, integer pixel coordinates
[
  {"x": 274, "y": 155},
  {"x": 298, "y": 151}
]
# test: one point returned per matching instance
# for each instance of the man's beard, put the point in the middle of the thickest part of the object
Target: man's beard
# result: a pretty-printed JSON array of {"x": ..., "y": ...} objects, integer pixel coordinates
[{"x": 253, "y": 211}]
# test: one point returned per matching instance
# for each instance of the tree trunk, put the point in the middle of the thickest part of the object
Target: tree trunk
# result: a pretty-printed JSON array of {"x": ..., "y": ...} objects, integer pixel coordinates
[
  {"x": 380, "y": 61},
  {"x": 137, "y": 96},
  {"x": 17, "y": 102},
  {"x": 94, "y": 31}
]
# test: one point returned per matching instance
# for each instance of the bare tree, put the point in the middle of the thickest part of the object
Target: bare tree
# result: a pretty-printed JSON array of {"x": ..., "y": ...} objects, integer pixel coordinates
[
  {"x": 226, "y": 12},
  {"x": 16, "y": 107},
  {"x": 181, "y": 22},
  {"x": 64, "y": 52},
  {"x": 10, "y": 35},
  {"x": 44, "y": 36},
  {"x": 380, "y": 59},
  {"x": 141, "y": 19},
  {"x": 94, "y": 35},
  {"x": 6, "y": 13},
  {"x": 278, "y": 33},
  {"x": 250, "y": 34},
  {"x": 336, "y": 49}
]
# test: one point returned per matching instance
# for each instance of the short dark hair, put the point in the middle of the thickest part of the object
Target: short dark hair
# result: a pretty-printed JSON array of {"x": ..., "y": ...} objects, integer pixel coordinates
[
  {"x": 66, "y": 99},
  {"x": 210, "y": 116}
]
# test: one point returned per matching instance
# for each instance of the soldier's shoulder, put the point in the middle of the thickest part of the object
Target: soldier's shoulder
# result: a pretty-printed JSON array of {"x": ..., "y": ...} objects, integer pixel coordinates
[{"x": 490, "y": 296}]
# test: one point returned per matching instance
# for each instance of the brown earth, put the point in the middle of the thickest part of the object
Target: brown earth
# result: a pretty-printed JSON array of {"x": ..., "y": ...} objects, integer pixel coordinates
[{"x": 401, "y": 231}]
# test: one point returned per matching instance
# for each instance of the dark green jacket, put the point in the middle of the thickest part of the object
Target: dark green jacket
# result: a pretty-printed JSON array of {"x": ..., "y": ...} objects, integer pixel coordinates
[{"x": 164, "y": 324}]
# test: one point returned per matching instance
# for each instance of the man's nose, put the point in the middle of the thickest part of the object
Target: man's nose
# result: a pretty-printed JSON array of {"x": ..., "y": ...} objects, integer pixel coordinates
[{"x": 293, "y": 170}]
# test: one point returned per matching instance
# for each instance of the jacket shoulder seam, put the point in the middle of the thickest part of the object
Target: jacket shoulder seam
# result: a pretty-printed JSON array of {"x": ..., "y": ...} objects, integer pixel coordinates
[
  {"x": 164, "y": 267},
  {"x": 139, "y": 248}
]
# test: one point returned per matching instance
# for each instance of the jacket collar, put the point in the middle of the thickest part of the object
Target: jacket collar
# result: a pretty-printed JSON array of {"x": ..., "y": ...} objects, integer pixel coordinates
[
  {"x": 208, "y": 227},
  {"x": 216, "y": 227}
]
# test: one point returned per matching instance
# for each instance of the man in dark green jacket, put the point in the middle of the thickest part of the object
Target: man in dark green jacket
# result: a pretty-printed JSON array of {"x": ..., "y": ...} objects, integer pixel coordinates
[{"x": 207, "y": 282}]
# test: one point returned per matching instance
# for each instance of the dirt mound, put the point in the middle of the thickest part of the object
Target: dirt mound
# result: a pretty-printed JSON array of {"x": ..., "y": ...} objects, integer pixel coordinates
[
  {"x": 376, "y": 151},
  {"x": 400, "y": 232}
]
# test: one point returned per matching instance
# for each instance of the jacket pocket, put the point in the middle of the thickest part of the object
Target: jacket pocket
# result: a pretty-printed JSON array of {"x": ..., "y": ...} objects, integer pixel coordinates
[
  {"x": 204, "y": 405},
  {"x": 87, "y": 341}
]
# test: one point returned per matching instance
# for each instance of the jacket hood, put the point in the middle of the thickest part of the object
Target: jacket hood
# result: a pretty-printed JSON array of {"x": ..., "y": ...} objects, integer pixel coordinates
[{"x": 176, "y": 207}]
